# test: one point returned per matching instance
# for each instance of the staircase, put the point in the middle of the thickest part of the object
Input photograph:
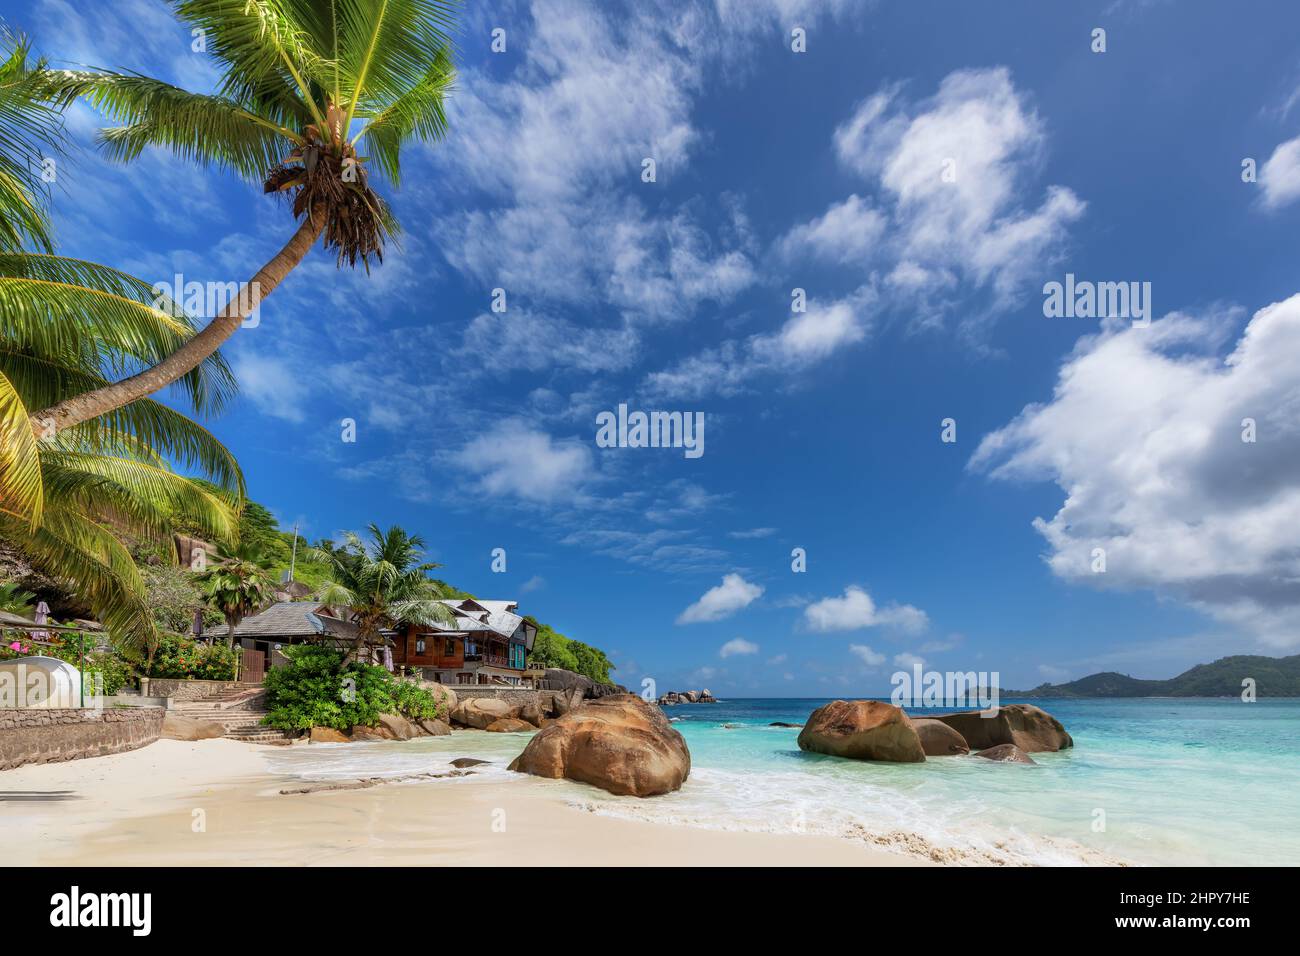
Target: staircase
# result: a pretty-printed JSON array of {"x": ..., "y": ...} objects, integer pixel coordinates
[{"x": 240, "y": 712}]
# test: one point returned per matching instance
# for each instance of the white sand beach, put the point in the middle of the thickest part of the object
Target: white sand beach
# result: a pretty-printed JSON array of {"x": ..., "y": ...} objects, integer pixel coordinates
[{"x": 218, "y": 802}]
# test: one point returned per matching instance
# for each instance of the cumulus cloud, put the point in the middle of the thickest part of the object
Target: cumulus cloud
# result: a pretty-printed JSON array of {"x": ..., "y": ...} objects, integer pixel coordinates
[
  {"x": 1280, "y": 175},
  {"x": 949, "y": 175},
  {"x": 865, "y": 654},
  {"x": 517, "y": 460},
  {"x": 1144, "y": 435},
  {"x": 732, "y": 595},
  {"x": 855, "y": 610},
  {"x": 738, "y": 646}
]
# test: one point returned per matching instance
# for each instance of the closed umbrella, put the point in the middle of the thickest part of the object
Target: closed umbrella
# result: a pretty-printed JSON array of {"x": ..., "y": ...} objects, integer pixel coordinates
[{"x": 42, "y": 617}]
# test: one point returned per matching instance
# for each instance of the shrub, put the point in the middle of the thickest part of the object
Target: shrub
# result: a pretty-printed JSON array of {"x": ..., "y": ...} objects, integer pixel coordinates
[
  {"x": 315, "y": 689},
  {"x": 415, "y": 703},
  {"x": 184, "y": 658}
]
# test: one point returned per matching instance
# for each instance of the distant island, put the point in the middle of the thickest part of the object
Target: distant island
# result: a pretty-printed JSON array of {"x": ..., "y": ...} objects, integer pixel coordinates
[{"x": 1273, "y": 676}]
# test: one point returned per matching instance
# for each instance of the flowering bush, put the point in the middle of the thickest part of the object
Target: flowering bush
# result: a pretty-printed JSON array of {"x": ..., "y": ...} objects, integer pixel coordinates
[{"x": 183, "y": 658}]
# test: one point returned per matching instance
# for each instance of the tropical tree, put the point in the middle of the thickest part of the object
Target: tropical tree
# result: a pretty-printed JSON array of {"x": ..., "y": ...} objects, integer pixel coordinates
[
  {"x": 237, "y": 586},
  {"x": 314, "y": 96},
  {"x": 384, "y": 581},
  {"x": 66, "y": 499}
]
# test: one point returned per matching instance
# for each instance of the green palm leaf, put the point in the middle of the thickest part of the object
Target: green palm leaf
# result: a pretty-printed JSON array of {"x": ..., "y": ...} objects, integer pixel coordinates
[{"x": 21, "y": 491}]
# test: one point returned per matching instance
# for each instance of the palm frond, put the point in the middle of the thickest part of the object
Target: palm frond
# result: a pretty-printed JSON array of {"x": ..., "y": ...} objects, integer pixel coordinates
[
  {"x": 150, "y": 426},
  {"x": 21, "y": 489},
  {"x": 31, "y": 130},
  {"x": 419, "y": 113},
  {"x": 208, "y": 130},
  {"x": 113, "y": 322},
  {"x": 89, "y": 560},
  {"x": 76, "y": 474}
]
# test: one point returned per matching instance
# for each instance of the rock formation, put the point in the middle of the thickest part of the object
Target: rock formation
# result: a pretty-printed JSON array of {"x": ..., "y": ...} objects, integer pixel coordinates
[{"x": 619, "y": 743}]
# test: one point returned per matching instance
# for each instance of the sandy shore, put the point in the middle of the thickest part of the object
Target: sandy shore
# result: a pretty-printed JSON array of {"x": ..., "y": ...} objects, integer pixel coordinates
[{"x": 216, "y": 803}]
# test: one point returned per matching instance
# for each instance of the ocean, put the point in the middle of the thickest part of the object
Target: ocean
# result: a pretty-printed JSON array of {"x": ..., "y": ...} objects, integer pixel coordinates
[{"x": 1149, "y": 781}]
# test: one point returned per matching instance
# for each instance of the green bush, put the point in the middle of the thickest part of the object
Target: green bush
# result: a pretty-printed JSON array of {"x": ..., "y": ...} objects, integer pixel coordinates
[
  {"x": 315, "y": 689},
  {"x": 415, "y": 703},
  {"x": 184, "y": 658}
]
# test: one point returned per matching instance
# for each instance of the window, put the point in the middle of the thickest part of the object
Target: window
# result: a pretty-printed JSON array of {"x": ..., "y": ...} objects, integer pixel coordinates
[
  {"x": 451, "y": 647},
  {"x": 419, "y": 645}
]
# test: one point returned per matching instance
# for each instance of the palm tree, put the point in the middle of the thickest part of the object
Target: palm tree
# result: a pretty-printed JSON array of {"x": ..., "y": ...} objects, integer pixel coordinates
[
  {"x": 383, "y": 581},
  {"x": 314, "y": 94},
  {"x": 66, "y": 500},
  {"x": 237, "y": 586}
]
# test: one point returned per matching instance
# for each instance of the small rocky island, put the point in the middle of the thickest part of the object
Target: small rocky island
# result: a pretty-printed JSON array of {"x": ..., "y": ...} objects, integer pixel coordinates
[{"x": 687, "y": 697}]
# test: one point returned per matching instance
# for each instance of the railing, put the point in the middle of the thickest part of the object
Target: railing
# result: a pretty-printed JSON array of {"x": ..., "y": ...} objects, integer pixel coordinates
[{"x": 497, "y": 660}]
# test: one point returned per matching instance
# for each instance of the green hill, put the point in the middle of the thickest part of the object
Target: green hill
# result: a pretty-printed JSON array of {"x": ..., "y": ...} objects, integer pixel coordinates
[{"x": 1273, "y": 676}]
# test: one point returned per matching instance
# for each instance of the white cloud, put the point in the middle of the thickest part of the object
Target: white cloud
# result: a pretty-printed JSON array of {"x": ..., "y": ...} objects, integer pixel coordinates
[
  {"x": 737, "y": 646},
  {"x": 909, "y": 660},
  {"x": 271, "y": 385},
  {"x": 1143, "y": 433},
  {"x": 865, "y": 654},
  {"x": 732, "y": 595},
  {"x": 752, "y": 533},
  {"x": 555, "y": 146},
  {"x": 805, "y": 339},
  {"x": 1280, "y": 175},
  {"x": 930, "y": 232},
  {"x": 535, "y": 583},
  {"x": 855, "y": 610},
  {"x": 847, "y": 232},
  {"x": 516, "y": 459}
]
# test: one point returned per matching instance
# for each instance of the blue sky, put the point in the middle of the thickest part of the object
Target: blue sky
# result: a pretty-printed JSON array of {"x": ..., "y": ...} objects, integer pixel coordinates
[{"x": 775, "y": 170}]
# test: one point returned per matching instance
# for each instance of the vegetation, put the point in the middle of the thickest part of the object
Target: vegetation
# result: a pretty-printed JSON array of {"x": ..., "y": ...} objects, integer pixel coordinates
[
  {"x": 187, "y": 659},
  {"x": 552, "y": 649},
  {"x": 237, "y": 587},
  {"x": 383, "y": 580},
  {"x": 1273, "y": 677},
  {"x": 313, "y": 96},
  {"x": 320, "y": 688}
]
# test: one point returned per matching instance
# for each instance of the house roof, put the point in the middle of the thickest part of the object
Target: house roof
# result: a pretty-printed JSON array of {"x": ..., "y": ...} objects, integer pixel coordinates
[{"x": 289, "y": 619}]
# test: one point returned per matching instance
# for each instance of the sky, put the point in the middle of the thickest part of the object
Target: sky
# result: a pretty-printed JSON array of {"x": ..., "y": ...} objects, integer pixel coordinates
[{"x": 840, "y": 261}]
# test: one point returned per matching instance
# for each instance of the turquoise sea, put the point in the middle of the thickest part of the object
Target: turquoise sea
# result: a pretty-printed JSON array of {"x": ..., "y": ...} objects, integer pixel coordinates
[{"x": 1149, "y": 781}]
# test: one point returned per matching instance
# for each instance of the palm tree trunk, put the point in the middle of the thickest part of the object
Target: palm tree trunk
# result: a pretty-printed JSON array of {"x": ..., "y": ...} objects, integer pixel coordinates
[
  {"x": 189, "y": 356},
  {"x": 230, "y": 635}
]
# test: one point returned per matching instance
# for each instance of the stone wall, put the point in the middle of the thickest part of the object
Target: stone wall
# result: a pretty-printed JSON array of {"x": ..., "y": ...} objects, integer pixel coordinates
[
  {"x": 192, "y": 689},
  {"x": 511, "y": 695},
  {"x": 33, "y": 735}
]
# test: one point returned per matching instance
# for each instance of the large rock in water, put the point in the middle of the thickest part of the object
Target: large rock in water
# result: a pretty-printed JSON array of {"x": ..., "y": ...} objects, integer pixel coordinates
[
  {"x": 328, "y": 735},
  {"x": 509, "y": 725},
  {"x": 478, "y": 712},
  {"x": 1005, "y": 753},
  {"x": 396, "y": 727},
  {"x": 1028, "y": 727},
  {"x": 618, "y": 743},
  {"x": 938, "y": 739},
  {"x": 862, "y": 730},
  {"x": 178, "y": 727}
]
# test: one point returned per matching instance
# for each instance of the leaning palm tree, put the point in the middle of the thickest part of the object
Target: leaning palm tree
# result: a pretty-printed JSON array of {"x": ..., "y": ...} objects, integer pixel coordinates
[
  {"x": 237, "y": 586},
  {"x": 314, "y": 94},
  {"x": 383, "y": 581}
]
